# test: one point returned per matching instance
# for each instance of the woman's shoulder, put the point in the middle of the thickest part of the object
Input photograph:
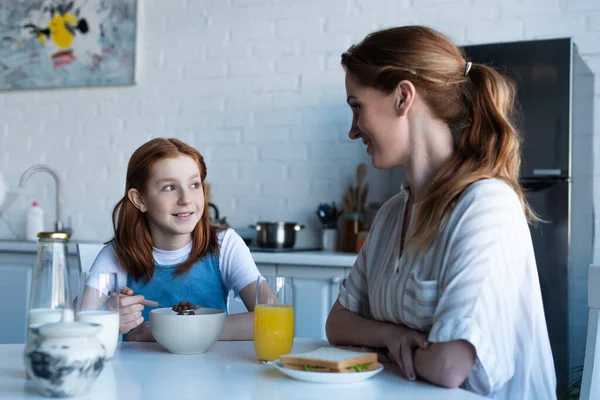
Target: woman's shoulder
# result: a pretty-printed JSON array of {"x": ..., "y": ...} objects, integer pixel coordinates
[
  {"x": 491, "y": 200},
  {"x": 489, "y": 190},
  {"x": 395, "y": 203}
]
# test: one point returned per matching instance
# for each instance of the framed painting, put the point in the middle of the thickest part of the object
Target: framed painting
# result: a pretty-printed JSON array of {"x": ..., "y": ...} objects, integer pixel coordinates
[{"x": 67, "y": 43}]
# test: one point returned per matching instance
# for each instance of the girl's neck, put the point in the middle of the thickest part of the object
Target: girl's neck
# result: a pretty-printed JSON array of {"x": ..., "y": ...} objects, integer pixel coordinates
[{"x": 170, "y": 242}]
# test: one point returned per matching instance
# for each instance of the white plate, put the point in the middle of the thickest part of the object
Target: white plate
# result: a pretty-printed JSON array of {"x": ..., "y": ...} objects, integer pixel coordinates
[{"x": 327, "y": 377}]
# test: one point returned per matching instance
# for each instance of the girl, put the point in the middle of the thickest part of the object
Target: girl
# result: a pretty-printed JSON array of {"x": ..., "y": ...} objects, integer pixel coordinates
[
  {"x": 164, "y": 247},
  {"x": 447, "y": 281}
]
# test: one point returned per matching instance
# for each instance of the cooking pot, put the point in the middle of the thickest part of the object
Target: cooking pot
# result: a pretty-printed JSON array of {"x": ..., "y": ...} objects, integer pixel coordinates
[{"x": 277, "y": 234}]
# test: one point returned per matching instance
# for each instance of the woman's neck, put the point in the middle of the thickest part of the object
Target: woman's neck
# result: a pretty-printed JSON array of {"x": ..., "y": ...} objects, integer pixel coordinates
[{"x": 431, "y": 147}]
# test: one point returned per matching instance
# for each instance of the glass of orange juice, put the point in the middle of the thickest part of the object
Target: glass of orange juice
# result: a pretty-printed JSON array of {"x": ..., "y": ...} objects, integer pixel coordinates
[{"x": 273, "y": 317}]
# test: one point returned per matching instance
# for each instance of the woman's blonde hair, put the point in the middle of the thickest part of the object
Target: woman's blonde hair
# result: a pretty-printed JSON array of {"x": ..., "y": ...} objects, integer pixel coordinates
[{"x": 477, "y": 104}]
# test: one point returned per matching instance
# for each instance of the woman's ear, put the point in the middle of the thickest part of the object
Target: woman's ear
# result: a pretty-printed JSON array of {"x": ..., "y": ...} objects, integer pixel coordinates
[
  {"x": 136, "y": 198},
  {"x": 405, "y": 96}
]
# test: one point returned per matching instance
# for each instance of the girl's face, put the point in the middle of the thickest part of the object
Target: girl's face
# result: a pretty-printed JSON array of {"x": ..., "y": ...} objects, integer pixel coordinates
[{"x": 173, "y": 200}]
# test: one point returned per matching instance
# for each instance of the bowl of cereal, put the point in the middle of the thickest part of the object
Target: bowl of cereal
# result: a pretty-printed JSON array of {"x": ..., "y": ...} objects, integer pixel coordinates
[{"x": 187, "y": 333}]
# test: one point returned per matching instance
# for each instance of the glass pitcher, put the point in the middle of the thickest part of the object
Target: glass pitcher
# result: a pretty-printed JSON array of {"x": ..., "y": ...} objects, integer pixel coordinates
[{"x": 49, "y": 295}]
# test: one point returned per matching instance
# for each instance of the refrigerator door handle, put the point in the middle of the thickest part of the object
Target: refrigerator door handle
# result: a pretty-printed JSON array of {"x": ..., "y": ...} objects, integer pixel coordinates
[{"x": 540, "y": 183}]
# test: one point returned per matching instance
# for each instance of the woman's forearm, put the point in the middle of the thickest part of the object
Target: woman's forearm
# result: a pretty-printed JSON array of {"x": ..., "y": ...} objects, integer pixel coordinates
[
  {"x": 445, "y": 364},
  {"x": 349, "y": 329},
  {"x": 239, "y": 327}
]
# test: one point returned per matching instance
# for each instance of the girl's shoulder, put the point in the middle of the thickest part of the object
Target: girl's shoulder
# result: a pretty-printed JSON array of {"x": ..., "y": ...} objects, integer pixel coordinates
[
  {"x": 229, "y": 239},
  {"x": 107, "y": 260}
]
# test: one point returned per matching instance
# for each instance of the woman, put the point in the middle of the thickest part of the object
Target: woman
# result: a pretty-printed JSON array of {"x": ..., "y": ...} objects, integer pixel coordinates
[{"x": 447, "y": 280}]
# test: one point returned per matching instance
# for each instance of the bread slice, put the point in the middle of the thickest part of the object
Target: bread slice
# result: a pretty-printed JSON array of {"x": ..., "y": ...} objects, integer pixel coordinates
[{"x": 331, "y": 359}]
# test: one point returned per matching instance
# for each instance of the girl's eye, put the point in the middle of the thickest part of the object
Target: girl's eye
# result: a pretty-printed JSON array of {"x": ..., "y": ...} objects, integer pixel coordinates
[
  {"x": 196, "y": 185},
  {"x": 169, "y": 188},
  {"x": 355, "y": 107}
]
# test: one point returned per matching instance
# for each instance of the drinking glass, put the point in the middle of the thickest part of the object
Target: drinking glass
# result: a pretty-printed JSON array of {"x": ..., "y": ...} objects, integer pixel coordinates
[
  {"x": 98, "y": 303},
  {"x": 273, "y": 317}
]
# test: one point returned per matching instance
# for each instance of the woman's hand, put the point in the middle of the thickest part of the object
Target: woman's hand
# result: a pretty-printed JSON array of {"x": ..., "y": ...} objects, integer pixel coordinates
[
  {"x": 142, "y": 333},
  {"x": 130, "y": 312},
  {"x": 401, "y": 342}
]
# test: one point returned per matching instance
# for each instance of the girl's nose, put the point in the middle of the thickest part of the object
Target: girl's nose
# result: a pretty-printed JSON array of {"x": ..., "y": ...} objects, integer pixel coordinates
[{"x": 184, "y": 197}]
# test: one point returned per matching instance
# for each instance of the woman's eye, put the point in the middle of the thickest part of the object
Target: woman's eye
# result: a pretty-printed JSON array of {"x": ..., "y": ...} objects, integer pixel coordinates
[
  {"x": 169, "y": 188},
  {"x": 355, "y": 106},
  {"x": 196, "y": 185}
]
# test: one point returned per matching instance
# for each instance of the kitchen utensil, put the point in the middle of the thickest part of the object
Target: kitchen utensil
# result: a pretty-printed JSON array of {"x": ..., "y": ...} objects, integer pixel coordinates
[
  {"x": 328, "y": 215},
  {"x": 206, "y": 189},
  {"x": 361, "y": 173},
  {"x": 363, "y": 198},
  {"x": 278, "y": 234}
]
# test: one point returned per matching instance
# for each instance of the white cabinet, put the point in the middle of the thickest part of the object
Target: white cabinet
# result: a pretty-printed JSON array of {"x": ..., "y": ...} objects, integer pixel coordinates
[
  {"x": 15, "y": 282},
  {"x": 16, "y": 271},
  {"x": 315, "y": 292},
  {"x": 316, "y": 289}
]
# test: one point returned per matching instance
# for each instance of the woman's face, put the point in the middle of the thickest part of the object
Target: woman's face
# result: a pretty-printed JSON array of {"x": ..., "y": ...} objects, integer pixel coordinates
[{"x": 378, "y": 119}]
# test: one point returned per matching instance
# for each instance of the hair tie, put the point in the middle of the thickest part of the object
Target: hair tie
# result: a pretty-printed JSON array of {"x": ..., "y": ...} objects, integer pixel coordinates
[{"x": 468, "y": 67}]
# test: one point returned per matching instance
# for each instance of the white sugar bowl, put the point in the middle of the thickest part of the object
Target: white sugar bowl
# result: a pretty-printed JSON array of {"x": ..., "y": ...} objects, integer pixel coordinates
[{"x": 64, "y": 358}]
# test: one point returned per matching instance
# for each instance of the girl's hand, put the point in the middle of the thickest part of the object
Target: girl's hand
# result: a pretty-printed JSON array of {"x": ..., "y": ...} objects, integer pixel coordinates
[
  {"x": 130, "y": 312},
  {"x": 401, "y": 343},
  {"x": 142, "y": 333}
]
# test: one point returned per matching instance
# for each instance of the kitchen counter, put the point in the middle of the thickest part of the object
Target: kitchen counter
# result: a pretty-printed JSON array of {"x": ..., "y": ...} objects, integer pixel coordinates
[
  {"x": 315, "y": 258},
  {"x": 27, "y": 246},
  {"x": 229, "y": 370}
]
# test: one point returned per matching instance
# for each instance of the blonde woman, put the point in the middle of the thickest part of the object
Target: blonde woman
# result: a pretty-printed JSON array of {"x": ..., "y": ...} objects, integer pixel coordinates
[{"x": 447, "y": 281}]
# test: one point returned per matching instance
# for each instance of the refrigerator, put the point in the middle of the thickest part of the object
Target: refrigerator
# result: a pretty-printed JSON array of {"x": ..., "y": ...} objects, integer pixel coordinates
[{"x": 555, "y": 115}]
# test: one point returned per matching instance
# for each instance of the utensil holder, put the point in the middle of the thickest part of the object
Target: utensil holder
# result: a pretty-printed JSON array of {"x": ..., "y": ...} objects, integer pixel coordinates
[
  {"x": 329, "y": 239},
  {"x": 352, "y": 224}
]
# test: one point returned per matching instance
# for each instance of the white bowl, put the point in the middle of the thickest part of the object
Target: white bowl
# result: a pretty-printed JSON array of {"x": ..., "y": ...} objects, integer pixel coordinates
[{"x": 187, "y": 334}]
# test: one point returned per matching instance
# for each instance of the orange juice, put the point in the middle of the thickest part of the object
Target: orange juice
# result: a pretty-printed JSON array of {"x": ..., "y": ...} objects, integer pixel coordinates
[{"x": 273, "y": 330}]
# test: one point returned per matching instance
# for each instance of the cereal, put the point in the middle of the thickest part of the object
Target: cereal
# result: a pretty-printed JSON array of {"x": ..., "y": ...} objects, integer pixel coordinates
[{"x": 185, "y": 306}]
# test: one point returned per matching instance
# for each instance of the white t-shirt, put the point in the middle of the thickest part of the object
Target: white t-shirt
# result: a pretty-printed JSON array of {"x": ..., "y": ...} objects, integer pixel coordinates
[
  {"x": 477, "y": 282},
  {"x": 235, "y": 262}
]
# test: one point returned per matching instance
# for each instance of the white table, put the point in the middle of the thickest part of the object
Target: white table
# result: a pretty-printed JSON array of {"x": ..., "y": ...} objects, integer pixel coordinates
[{"x": 227, "y": 371}]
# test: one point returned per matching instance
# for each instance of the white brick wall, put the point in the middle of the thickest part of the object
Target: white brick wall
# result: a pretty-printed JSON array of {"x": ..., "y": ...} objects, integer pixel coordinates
[{"x": 256, "y": 86}]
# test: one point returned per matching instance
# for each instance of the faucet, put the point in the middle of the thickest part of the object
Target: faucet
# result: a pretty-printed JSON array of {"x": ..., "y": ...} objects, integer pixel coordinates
[{"x": 44, "y": 168}]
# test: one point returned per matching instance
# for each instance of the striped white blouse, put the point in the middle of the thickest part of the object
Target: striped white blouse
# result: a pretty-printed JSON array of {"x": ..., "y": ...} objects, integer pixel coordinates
[{"x": 477, "y": 282}]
